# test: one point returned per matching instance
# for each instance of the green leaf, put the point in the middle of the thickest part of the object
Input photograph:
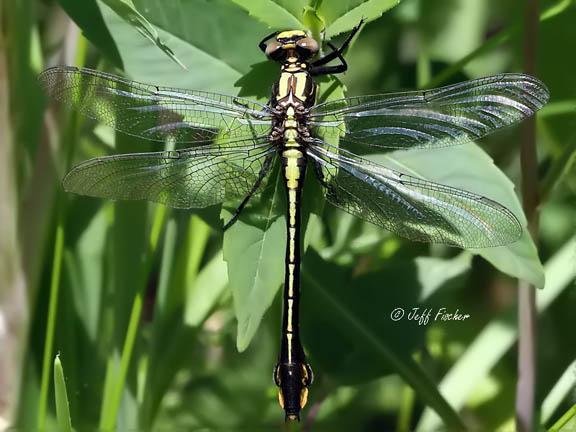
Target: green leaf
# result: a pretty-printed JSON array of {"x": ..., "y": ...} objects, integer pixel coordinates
[
  {"x": 144, "y": 62},
  {"x": 254, "y": 250},
  {"x": 468, "y": 167},
  {"x": 235, "y": 43},
  {"x": 343, "y": 16},
  {"x": 215, "y": 63},
  {"x": 205, "y": 291},
  {"x": 565, "y": 423},
  {"x": 295, "y": 7},
  {"x": 342, "y": 314},
  {"x": 271, "y": 13},
  {"x": 434, "y": 272},
  {"x": 559, "y": 392},
  {"x": 61, "y": 397},
  {"x": 126, "y": 10},
  {"x": 498, "y": 337}
]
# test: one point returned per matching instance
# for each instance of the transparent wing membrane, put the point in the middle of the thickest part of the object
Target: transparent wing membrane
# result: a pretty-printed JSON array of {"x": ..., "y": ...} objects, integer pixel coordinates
[
  {"x": 156, "y": 113},
  {"x": 435, "y": 118},
  {"x": 192, "y": 178},
  {"x": 411, "y": 207},
  {"x": 236, "y": 134}
]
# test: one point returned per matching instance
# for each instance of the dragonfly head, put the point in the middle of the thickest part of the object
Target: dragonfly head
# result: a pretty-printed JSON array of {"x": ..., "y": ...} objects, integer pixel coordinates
[
  {"x": 292, "y": 43},
  {"x": 293, "y": 380}
]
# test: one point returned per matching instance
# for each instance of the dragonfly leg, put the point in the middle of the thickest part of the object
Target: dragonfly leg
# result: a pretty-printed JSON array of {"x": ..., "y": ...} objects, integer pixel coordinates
[
  {"x": 329, "y": 70},
  {"x": 257, "y": 183},
  {"x": 337, "y": 52}
]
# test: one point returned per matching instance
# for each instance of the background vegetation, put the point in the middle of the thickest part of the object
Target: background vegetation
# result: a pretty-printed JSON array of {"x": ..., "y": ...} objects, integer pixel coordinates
[{"x": 133, "y": 316}]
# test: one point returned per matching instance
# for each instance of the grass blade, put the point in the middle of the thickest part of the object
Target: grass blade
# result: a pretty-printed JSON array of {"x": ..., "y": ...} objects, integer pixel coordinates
[
  {"x": 563, "y": 421},
  {"x": 51, "y": 322},
  {"x": 560, "y": 390},
  {"x": 61, "y": 397}
]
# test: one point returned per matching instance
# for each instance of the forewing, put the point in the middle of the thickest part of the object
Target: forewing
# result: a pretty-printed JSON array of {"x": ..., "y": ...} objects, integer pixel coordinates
[
  {"x": 192, "y": 178},
  {"x": 153, "y": 112},
  {"x": 411, "y": 207},
  {"x": 435, "y": 118}
]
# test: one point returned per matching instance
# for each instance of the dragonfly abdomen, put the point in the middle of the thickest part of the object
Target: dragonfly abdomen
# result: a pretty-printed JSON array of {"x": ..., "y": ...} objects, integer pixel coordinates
[{"x": 293, "y": 93}]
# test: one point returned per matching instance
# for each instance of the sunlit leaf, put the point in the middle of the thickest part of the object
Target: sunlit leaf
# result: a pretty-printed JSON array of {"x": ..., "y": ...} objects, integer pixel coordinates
[
  {"x": 126, "y": 10},
  {"x": 343, "y": 16}
]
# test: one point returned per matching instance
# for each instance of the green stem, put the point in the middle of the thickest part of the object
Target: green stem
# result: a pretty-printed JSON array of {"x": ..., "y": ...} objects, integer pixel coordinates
[
  {"x": 406, "y": 409},
  {"x": 562, "y": 421},
  {"x": 109, "y": 420},
  {"x": 51, "y": 323}
]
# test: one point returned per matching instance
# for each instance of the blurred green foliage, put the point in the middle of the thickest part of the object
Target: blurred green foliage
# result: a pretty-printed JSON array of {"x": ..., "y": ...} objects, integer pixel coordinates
[{"x": 148, "y": 307}]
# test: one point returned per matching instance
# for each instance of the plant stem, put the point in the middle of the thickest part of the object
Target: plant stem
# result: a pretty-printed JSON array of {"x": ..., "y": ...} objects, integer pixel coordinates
[{"x": 527, "y": 339}]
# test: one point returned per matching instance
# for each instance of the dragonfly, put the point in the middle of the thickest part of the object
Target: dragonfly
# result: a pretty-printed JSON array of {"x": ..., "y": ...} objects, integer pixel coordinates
[{"x": 231, "y": 144}]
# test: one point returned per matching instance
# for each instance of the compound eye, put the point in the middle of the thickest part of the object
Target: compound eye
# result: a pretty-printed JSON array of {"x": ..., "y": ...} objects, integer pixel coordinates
[
  {"x": 275, "y": 50},
  {"x": 307, "y": 46}
]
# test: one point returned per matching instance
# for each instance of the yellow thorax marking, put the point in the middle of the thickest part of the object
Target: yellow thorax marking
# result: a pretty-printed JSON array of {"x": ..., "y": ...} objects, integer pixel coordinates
[
  {"x": 300, "y": 78},
  {"x": 283, "y": 85},
  {"x": 290, "y": 33}
]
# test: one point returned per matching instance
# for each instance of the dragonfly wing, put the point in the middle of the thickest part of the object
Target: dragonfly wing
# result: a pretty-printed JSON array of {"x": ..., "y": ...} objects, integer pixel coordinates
[
  {"x": 440, "y": 117},
  {"x": 156, "y": 113},
  {"x": 411, "y": 207},
  {"x": 191, "y": 178}
]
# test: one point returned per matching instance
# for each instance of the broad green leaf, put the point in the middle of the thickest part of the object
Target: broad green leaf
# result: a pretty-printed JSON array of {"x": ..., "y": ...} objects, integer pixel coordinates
[
  {"x": 218, "y": 28},
  {"x": 498, "y": 337},
  {"x": 434, "y": 272},
  {"x": 214, "y": 63},
  {"x": 254, "y": 248},
  {"x": 205, "y": 291},
  {"x": 295, "y": 7},
  {"x": 341, "y": 314},
  {"x": 144, "y": 62},
  {"x": 84, "y": 263},
  {"x": 271, "y": 13},
  {"x": 468, "y": 167},
  {"x": 61, "y": 397},
  {"x": 519, "y": 259},
  {"x": 126, "y": 10},
  {"x": 343, "y": 16}
]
